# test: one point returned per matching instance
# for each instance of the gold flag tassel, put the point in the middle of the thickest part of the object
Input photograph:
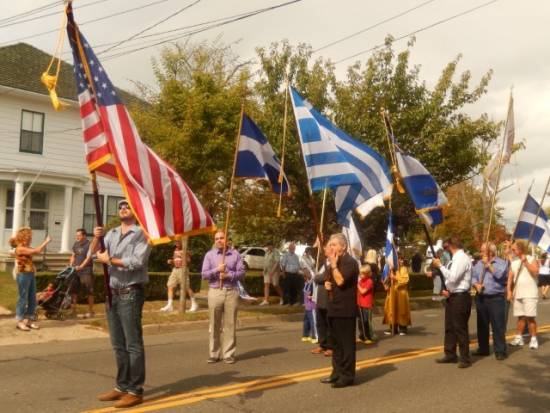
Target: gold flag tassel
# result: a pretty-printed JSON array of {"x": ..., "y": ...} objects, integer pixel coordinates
[{"x": 50, "y": 80}]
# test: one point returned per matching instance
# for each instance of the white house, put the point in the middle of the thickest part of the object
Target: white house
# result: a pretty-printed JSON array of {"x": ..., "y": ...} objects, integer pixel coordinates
[{"x": 44, "y": 180}]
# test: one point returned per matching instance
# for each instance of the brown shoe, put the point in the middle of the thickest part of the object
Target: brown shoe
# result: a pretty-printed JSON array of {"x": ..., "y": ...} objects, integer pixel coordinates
[
  {"x": 318, "y": 350},
  {"x": 129, "y": 400},
  {"x": 111, "y": 396},
  {"x": 328, "y": 353}
]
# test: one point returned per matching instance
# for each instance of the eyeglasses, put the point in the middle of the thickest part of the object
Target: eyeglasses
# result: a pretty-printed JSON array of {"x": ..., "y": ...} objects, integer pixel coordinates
[{"x": 125, "y": 206}]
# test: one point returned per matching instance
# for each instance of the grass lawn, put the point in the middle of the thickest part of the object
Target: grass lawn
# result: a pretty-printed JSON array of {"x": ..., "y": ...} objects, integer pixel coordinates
[{"x": 8, "y": 291}]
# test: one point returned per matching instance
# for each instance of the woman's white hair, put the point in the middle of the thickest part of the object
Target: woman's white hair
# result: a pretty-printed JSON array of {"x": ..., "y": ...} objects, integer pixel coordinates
[{"x": 341, "y": 238}]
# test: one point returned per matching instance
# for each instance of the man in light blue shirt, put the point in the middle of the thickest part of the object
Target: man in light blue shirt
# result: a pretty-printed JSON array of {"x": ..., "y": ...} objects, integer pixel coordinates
[
  {"x": 292, "y": 281},
  {"x": 127, "y": 255},
  {"x": 489, "y": 278}
]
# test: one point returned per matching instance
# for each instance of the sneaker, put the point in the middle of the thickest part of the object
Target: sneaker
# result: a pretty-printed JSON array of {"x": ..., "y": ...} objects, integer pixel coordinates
[
  {"x": 305, "y": 339},
  {"x": 212, "y": 360},
  {"x": 534, "y": 344},
  {"x": 229, "y": 360},
  {"x": 387, "y": 333},
  {"x": 369, "y": 341},
  {"x": 264, "y": 302},
  {"x": 22, "y": 326},
  {"x": 517, "y": 341},
  {"x": 314, "y": 341},
  {"x": 167, "y": 308},
  {"x": 281, "y": 302},
  {"x": 194, "y": 307},
  {"x": 33, "y": 325},
  {"x": 89, "y": 315},
  {"x": 402, "y": 333}
]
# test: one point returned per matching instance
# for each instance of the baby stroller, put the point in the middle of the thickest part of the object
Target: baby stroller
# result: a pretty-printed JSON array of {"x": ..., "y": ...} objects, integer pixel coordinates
[{"x": 60, "y": 299}]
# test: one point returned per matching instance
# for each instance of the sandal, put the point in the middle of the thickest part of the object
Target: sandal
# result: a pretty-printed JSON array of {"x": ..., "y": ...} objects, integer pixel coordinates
[{"x": 21, "y": 325}]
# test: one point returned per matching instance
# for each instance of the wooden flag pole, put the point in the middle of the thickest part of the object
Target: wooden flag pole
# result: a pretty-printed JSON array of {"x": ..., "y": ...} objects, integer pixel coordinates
[
  {"x": 321, "y": 224},
  {"x": 499, "y": 170},
  {"x": 283, "y": 151},
  {"x": 230, "y": 195},
  {"x": 95, "y": 190}
]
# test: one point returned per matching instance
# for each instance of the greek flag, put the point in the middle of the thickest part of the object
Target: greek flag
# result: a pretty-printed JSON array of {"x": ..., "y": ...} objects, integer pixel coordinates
[
  {"x": 256, "y": 159},
  {"x": 526, "y": 224},
  {"x": 390, "y": 252},
  {"x": 359, "y": 175},
  {"x": 425, "y": 193}
]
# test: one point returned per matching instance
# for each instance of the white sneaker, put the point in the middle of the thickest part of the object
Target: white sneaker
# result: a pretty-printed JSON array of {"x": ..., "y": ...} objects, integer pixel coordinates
[
  {"x": 167, "y": 308},
  {"x": 194, "y": 306},
  {"x": 517, "y": 341},
  {"x": 281, "y": 302},
  {"x": 534, "y": 344},
  {"x": 264, "y": 302}
]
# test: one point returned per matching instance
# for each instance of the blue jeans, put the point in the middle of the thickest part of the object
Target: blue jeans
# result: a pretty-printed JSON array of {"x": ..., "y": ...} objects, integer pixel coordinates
[
  {"x": 26, "y": 304},
  {"x": 309, "y": 325},
  {"x": 124, "y": 319}
]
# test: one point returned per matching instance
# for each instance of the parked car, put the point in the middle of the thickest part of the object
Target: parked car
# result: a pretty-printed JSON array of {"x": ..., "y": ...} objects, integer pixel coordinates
[{"x": 253, "y": 257}]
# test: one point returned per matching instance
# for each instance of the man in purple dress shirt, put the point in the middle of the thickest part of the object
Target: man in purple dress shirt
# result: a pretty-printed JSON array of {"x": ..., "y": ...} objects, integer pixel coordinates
[{"x": 223, "y": 298}]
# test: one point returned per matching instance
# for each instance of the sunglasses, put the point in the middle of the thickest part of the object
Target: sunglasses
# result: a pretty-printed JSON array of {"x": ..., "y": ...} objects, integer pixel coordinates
[{"x": 125, "y": 206}]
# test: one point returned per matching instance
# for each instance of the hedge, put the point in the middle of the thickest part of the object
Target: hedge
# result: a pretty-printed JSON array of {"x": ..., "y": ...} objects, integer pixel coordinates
[{"x": 156, "y": 288}]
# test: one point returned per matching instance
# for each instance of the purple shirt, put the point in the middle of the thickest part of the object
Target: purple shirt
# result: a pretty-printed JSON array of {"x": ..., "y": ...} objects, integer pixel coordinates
[{"x": 233, "y": 265}]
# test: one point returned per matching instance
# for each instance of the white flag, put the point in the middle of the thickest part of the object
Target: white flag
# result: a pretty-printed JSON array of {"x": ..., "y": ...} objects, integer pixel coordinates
[{"x": 355, "y": 248}]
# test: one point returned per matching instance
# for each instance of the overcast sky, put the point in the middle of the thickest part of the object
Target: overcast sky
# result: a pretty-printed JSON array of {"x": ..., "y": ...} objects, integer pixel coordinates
[{"x": 508, "y": 36}]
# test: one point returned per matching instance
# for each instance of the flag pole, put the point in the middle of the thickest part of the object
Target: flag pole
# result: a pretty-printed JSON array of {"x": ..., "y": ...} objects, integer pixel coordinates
[
  {"x": 230, "y": 195},
  {"x": 499, "y": 171},
  {"x": 397, "y": 175},
  {"x": 95, "y": 190},
  {"x": 532, "y": 232},
  {"x": 321, "y": 224},
  {"x": 283, "y": 150}
]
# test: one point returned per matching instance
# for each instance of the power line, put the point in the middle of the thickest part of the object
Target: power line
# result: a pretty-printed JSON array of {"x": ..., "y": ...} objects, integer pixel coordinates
[
  {"x": 153, "y": 25},
  {"x": 42, "y": 16},
  {"x": 437, "y": 23},
  {"x": 31, "y": 12},
  {"x": 166, "y": 40},
  {"x": 88, "y": 21},
  {"x": 373, "y": 26}
]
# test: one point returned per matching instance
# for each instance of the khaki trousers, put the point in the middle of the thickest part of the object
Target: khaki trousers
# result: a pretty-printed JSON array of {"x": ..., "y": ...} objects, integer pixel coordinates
[{"x": 222, "y": 309}]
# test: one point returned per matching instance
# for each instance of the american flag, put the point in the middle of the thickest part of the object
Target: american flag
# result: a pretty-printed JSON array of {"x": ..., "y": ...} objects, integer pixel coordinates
[{"x": 163, "y": 204}]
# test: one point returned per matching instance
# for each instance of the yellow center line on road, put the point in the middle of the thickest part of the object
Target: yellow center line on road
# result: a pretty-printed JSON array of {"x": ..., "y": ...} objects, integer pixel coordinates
[{"x": 217, "y": 392}]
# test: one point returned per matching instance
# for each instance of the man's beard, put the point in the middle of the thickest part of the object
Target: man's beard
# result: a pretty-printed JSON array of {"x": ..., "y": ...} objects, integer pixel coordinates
[{"x": 128, "y": 220}]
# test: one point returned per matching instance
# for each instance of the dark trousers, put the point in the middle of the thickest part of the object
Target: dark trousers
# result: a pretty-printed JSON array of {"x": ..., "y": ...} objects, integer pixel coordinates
[
  {"x": 364, "y": 323},
  {"x": 343, "y": 356},
  {"x": 323, "y": 329},
  {"x": 457, "y": 313},
  {"x": 124, "y": 319},
  {"x": 491, "y": 310},
  {"x": 291, "y": 288}
]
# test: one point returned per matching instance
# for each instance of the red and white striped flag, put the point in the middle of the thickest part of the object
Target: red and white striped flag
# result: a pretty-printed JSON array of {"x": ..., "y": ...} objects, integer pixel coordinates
[{"x": 162, "y": 202}]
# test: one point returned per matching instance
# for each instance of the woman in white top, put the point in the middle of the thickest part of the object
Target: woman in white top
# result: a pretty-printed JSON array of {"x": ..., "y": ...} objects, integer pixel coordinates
[{"x": 523, "y": 291}]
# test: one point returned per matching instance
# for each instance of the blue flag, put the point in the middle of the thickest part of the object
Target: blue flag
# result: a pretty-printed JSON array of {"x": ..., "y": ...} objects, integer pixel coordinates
[
  {"x": 526, "y": 224},
  {"x": 390, "y": 251},
  {"x": 256, "y": 159},
  {"x": 358, "y": 174},
  {"x": 425, "y": 193}
]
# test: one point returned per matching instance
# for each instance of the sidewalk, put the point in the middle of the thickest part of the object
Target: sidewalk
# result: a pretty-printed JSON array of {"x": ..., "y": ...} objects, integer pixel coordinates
[{"x": 156, "y": 322}]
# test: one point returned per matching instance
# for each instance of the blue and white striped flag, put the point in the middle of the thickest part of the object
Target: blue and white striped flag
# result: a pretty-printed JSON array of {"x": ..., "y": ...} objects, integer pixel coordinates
[
  {"x": 526, "y": 223},
  {"x": 390, "y": 251},
  {"x": 256, "y": 158},
  {"x": 333, "y": 159},
  {"x": 425, "y": 193}
]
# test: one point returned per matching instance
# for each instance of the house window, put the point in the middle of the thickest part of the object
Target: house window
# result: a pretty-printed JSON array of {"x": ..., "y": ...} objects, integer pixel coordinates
[
  {"x": 89, "y": 221},
  {"x": 112, "y": 208},
  {"x": 32, "y": 132},
  {"x": 9, "y": 209},
  {"x": 38, "y": 212}
]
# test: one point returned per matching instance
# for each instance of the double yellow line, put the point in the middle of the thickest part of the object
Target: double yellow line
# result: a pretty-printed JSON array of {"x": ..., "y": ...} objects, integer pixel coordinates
[{"x": 199, "y": 395}]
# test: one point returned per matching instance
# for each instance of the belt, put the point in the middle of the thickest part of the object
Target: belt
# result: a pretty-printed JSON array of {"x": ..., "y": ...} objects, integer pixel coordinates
[
  {"x": 460, "y": 293},
  {"x": 492, "y": 295},
  {"x": 126, "y": 290}
]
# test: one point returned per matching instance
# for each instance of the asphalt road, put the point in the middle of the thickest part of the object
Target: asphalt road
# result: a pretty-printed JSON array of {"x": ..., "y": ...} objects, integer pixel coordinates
[{"x": 275, "y": 373}]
